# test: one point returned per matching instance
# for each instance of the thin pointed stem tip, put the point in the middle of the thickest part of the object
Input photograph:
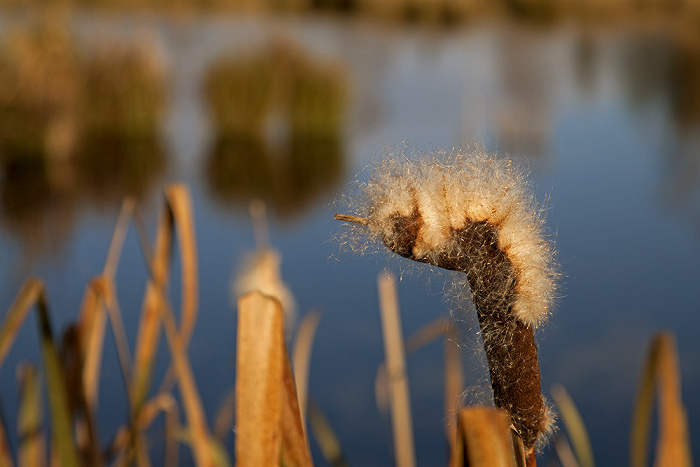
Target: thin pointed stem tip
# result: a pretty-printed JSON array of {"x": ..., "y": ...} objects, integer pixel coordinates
[{"x": 348, "y": 218}]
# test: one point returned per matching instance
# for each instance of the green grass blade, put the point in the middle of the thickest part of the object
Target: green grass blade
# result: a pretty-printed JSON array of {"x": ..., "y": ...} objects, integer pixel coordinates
[
  {"x": 32, "y": 442},
  {"x": 59, "y": 406}
]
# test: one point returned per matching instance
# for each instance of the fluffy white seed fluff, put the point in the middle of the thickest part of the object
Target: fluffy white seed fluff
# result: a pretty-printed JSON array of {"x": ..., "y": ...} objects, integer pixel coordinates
[{"x": 452, "y": 190}]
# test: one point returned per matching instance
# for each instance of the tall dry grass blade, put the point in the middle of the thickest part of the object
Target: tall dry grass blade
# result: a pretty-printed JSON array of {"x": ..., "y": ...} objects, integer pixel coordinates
[
  {"x": 326, "y": 438},
  {"x": 301, "y": 357},
  {"x": 192, "y": 403},
  {"x": 483, "y": 439},
  {"x": 295, "y": 447},
  {"x": 148, "y": 336},
  {"x": 165, "y": 403},
  {"x": 16, "y": 315},
  {"x": 575, "y": 427},
  {"x": 91, "y": 327},
  {"x": 259, "y": 364},
  {"x": 93, "y": 318},
  {"x": 32, "y": 441},
  {"x": 396, "y": 370},
  {"x": 117, "y": 243},
  {"x": 661, "y": 371},
  {"x": 117, "y": 324},
  {"x": 180, "y": 203},
  {"x": 59, "y": 405},
  {"x": 454, "y": 379}
]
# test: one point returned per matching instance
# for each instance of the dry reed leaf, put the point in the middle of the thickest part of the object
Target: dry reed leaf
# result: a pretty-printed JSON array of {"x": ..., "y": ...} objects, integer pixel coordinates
[
  {"x": 148, "y": 336},
  {"x": 295, "y": 447},
  {"x": 32, "y": 441},
  {"x": 575, "y": 428},
  {"x": 91, "y": 327},
  {"x": 93, "y": 317},
  {"x": 194, "y": 410},
  {"x": 268, "y": 425},
  {"x": 483, "y": 439},
  {"x": 180, "y": 204},
  {"x": 16, "y": 315},
  {"x": 301, "y": 356},
  {"x": 673, "y": 444},
  {"x": 177, "y": 214},
  {"x": 258, "y": 380},
  {"x": 662, "y": 373},
  {"x": 166, "y": 404},
  {"x": 117, "y": 243},
  {"x": 400, "y": 401},
  {"x": 162, "y": 402}
]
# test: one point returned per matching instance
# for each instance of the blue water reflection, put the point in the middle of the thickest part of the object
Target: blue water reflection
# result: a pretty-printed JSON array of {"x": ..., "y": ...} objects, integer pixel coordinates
[{"x": 597, "y": 123}]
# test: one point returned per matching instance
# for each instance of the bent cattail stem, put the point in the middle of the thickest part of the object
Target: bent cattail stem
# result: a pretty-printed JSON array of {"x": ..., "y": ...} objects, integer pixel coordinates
[{"x": 474, "y": 214}]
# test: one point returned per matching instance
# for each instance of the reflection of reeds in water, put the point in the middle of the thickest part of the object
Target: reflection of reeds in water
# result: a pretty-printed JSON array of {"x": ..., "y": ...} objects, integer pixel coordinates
[
  {"x": 280, "y": 85},
  {"x": 52, "y": 99},
  {"x": 123, "y": 95},
  {"x": 73, "y": 127},
  {"x": 278, "y": 119},
  {"x": 39, "y": 86}
]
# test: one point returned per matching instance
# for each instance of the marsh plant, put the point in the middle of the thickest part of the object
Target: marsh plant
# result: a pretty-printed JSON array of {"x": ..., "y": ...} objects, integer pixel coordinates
[
  {"x": 270, "y": 404},
  {"x": 471, "y": 212}
]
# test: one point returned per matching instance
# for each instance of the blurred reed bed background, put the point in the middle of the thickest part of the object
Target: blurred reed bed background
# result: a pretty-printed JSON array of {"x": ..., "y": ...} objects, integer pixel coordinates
[
  {"x": 284, "y": 106},
  {"x": 435, "y": 12},
  {"x": 268, "y": 409}
]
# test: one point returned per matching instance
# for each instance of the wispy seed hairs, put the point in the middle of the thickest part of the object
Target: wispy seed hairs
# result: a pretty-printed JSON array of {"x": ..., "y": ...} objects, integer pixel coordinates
[{"x": 474, "y": 213}]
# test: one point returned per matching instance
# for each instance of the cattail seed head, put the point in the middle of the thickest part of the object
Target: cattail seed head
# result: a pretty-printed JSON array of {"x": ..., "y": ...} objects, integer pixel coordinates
[
  {"x": 416, "y": 207},
  {"x": 474, "y": 213}
]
